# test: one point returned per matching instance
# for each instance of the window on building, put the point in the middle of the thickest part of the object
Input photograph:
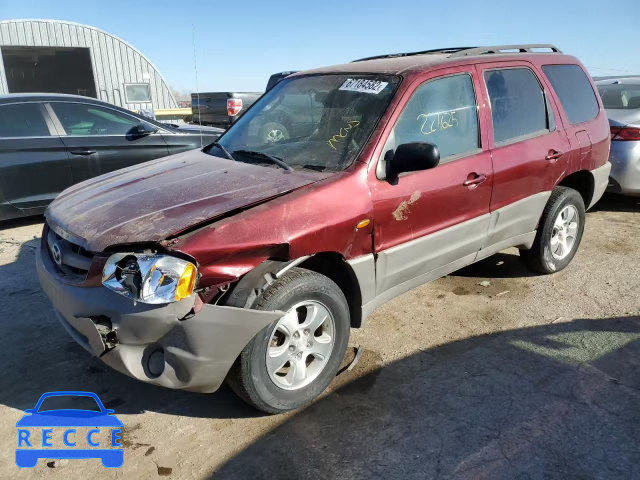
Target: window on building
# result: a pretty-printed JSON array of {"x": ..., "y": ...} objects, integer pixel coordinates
[
  {"x": 443, "y": 112},
  {"x": 88, "y": 119},
  {"x": 574, "y": 91},
  {"x": 22, "y": 120},
  {"x": 137, "y": 92},
  {"x": 518, "y": 105}
]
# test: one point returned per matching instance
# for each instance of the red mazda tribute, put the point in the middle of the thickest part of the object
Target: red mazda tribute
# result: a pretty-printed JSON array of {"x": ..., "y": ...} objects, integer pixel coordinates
[{"x": 250, "y": 260}]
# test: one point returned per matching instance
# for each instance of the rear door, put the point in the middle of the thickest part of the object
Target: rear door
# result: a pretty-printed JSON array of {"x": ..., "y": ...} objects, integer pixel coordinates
[
  {"x": 432, "y": 222},
  {"x": 530, "y": 150},
  {"x": 34, "y": 164},
  {"x": 99, "y": 138}
]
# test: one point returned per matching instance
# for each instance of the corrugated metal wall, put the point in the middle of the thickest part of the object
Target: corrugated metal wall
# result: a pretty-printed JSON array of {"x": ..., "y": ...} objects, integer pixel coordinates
[{"x": 114, "y": 61}]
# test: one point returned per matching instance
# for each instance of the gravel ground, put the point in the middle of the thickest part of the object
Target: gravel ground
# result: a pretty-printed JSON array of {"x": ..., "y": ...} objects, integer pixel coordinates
[{"x": 529, "y": 377}]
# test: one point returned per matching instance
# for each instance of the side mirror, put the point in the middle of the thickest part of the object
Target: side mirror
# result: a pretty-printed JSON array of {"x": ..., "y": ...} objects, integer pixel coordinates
[
  {"x": 142, "y": 129},
  {"x": 29, "y": 410},
  {"x": 411, "y": 157}
]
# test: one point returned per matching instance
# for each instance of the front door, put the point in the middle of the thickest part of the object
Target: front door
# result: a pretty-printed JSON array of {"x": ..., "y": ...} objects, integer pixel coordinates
[
  {"x": 432, "y": 222},
  {"x": 34, "y": 165},
  {"x": 99, "y": 139}
]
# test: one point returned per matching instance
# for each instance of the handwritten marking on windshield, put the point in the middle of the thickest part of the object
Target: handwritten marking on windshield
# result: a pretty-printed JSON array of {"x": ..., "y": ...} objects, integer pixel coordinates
[
  {"x": 440, "y": 121},
  {"x": 344, "y": 131}
]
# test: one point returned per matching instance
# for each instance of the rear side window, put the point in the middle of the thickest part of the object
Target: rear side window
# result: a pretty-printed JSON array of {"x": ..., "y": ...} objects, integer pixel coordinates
[
  {"x": 442, "y": 112},
  {"x": 22, "y": 120},
  {"x": 574, "y": 91},
  {"x": 518, "y": 105}
]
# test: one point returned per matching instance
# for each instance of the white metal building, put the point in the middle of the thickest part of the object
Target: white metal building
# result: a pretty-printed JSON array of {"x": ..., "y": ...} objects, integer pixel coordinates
[{"x": 65, "y": 57}]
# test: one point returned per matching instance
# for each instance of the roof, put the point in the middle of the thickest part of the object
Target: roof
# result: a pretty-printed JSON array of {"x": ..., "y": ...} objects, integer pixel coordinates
[
  {"x": 389, "y": 66},
  {"x": 416, "y": 63}
]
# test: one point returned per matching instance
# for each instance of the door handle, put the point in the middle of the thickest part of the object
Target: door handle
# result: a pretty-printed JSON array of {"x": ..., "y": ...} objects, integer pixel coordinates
[
  {"x": 553, "y": 156},
  {"x": 473, "y": 181},
  {"x": 81, "y": 151}
]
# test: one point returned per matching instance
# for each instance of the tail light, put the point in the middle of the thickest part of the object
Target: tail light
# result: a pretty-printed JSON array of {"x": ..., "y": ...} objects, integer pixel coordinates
[
  {"x": 625, "y": 133},
  {"x": 234, "y": 105}
]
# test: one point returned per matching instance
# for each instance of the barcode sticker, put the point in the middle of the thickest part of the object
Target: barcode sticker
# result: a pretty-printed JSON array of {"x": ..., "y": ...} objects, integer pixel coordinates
[{"x": 363, "y": 85}]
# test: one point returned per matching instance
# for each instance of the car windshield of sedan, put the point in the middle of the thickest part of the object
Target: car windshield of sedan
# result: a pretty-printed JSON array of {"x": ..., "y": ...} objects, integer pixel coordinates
[{"x": 317, "y": 122}]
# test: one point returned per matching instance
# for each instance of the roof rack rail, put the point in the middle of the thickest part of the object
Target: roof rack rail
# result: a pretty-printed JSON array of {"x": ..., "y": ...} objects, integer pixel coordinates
[
  {"x": 525, "y": 48},
  {"x": 410, "y": 54}
]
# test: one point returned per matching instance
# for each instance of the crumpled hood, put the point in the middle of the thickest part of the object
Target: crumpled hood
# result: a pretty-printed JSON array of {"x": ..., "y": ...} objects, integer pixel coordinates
[{"x": 155, "y": 200}]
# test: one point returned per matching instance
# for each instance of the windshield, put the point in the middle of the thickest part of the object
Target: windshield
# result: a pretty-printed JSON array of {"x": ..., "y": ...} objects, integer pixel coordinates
[
  {"x": 316, "y": 122},
  {"x": 620, "y": 96}
]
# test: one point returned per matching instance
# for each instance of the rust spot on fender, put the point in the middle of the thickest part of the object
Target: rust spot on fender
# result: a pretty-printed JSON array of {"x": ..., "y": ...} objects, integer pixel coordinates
[{"x": 401, "y": 213}]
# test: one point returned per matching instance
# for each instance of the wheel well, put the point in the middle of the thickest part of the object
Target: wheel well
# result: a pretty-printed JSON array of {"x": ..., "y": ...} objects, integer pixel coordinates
[
  {"x": 582, "y": 182},
  {"x": 334, "y": 266}
]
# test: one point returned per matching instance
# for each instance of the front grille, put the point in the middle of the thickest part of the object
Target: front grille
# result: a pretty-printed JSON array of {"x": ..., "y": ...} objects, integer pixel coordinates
[{"x": 69, "y": 258}]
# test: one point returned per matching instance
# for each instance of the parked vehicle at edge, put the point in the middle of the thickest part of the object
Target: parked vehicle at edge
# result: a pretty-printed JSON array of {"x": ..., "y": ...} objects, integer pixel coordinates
[
  {"x": 256, "y": 267},
  {"x": 222, "y": 109},
  {"x": 49, "y": 142},
  {"x": 621, "y": 99}
]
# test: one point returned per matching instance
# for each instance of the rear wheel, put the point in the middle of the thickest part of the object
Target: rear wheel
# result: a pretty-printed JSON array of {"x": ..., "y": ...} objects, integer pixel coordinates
[
  {"x": 559, "y": 232},
  {"x": 293, "y": 360}
]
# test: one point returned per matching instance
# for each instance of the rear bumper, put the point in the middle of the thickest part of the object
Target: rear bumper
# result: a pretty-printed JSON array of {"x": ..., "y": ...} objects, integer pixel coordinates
[
  {"x": 195, "y": 351},
  {"x": 625, "y": 166},
  {"x": 600, "y": 182}
]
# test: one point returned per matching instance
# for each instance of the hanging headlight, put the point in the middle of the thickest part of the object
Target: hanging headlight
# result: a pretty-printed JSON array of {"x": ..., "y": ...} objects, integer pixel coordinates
[{"x": 149, "y": 278}]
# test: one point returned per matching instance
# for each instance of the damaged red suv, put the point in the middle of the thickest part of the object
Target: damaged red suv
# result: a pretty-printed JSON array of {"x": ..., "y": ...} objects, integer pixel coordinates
[{"x": 251, "y": 259}]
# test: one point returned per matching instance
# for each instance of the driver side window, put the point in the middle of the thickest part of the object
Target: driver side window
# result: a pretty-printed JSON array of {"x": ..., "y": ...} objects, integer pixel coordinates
[
  {"x": 442, "y": 112},
  {"x": 80, "y": 119}
]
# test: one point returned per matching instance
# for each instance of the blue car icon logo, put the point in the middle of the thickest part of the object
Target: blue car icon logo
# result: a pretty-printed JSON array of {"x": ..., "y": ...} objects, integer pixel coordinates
[{"x": 42, "y": 433}]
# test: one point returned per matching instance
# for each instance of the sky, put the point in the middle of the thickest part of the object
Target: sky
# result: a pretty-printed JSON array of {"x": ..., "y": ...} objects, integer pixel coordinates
[{"x": 240, "y": 43}]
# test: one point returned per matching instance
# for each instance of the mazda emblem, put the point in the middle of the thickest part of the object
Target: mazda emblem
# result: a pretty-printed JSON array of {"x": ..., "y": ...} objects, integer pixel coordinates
[{"x": 57, "y": 253}]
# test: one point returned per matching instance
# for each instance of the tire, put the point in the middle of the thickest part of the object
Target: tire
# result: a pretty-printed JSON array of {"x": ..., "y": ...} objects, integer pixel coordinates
[
  {"x": 250, "y": 377},
  {"x": 546, "y": 255},
  {"x": 273, "y": 132}
]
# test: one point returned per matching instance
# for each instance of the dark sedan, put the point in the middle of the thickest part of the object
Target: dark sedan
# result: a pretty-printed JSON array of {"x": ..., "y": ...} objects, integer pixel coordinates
[{"x": 49, "y": 142}]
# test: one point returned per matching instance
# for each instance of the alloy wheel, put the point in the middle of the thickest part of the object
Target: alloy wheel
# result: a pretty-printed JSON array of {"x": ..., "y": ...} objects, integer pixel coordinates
[
  {"x": 300, "y": 345},
  {"x": 564, "y": 232}
]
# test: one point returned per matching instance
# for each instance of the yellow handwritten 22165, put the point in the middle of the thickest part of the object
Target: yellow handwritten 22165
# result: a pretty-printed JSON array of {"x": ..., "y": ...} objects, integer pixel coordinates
[
  {"x": 344, "y": 131},
  {"x": 440, "y": 121}
]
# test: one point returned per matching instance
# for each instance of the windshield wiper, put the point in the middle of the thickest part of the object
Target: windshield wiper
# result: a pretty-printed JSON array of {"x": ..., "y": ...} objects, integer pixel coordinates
[
  {"x": 317, "y": 168},
  {"x": 225, "y": 151},
  {"x": 271, "y": 158}
]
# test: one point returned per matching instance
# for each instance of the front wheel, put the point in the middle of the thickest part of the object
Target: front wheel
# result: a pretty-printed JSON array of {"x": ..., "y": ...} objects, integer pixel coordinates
[
  {"x": 559, "y": 232},
  {"x": 293, "y": 360}
]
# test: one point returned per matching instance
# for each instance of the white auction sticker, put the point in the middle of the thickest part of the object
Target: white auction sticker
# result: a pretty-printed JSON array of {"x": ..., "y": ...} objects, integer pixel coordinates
[{"x": 363, "y": 85}]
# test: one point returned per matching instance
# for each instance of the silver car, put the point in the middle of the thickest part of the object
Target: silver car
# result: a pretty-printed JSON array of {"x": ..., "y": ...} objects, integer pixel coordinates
[{"x": 621, "y": 99}]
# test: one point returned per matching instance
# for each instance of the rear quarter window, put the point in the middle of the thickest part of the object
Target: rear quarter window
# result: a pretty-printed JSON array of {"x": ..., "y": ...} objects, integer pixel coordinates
[{"x": 574, "y": 91}]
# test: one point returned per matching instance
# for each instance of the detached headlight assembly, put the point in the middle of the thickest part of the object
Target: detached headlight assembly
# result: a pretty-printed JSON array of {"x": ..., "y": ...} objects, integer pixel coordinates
[{"x": 149, "y": 278}]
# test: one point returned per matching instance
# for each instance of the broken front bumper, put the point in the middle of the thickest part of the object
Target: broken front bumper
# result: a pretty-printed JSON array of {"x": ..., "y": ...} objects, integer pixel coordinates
[{"x": 165, "y": 345}]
